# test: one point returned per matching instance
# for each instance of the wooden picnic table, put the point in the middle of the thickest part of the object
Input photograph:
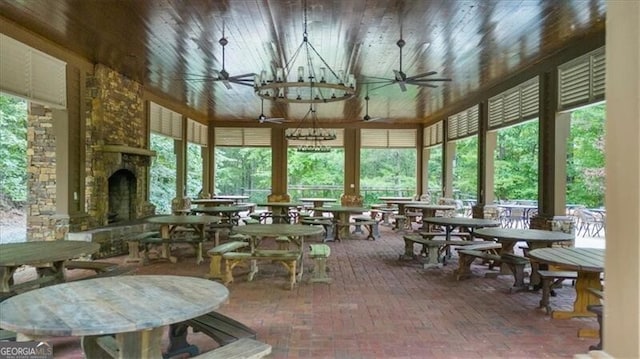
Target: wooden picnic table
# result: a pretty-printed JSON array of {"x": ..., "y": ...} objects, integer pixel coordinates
[
  {"x": 317, "y": 202},
  {"x": 47, "y": 256},
  {"x": 280, "y": 210},
  {"x": 429, "y": 210},
  {"x": 212, "y": 201},
  {"x": 169, "y": 224},
  {"x": 588, "y": 263},
  {"x": 340, "y": 219},
  {"x": 236, "y": 198},
  {"x": 451, "y": 223},
  {"x": 230, "y": 213},
  {"x": 134, "y": 308},
  {"x": 295, "y": 232},
  {"x": 535, "y": 238}
]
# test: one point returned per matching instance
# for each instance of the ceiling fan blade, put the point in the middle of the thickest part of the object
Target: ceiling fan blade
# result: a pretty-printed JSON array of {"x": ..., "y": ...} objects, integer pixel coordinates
[
  {"x": 431, "y": 80},
  {"x": 227, "y": 84},
  {"x": 376, "y": 78},
  {"x": 277, "y": 120},
  {"x": 421, "y": 75},
  {"x": 242, "y": 83},
  {"x": 237, "y": 77},
  {"x": 381, "y": 86},
  {"x": 402, "y": 85}
]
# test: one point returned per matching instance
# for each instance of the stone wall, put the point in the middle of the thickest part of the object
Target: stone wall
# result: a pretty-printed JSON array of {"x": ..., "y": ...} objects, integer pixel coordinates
[
  {"x": 116, "y": 117},
  {"x": 42, "y": 221}
]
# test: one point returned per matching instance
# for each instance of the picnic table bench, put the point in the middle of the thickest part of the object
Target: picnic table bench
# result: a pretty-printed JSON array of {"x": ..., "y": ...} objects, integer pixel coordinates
[
  {"x": 432, "y": 248},
  {"x": 215, "y": 253},
  {"x": 241, "y": 349},
  {"x": 289, "y": 259},
  {"x": 515, "y": 263},
  {"x": 219, "y": 327}
]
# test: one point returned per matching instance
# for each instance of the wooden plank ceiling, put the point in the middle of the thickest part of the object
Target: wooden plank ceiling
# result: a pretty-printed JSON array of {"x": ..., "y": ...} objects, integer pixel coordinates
[{"x": 165, "y": 43}]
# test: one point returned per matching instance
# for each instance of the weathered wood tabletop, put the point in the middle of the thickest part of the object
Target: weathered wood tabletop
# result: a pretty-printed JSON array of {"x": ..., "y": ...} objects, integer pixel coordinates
[
  {"x": 168, "y": 225},
  {"x": 535, "y": 238},
  {"x": 589, "y": 263},
  {"x": 47, "y": 256},
  {"x": 341, "y": 215},
  {"x": 135, "y": 308},
  {"x": 296, "y": 232},
  {"x": 450, "y": 223}
]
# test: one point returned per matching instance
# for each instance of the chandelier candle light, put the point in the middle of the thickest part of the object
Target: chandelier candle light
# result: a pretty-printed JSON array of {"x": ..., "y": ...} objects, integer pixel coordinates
[
  {"x": 306, "y": 84},
  {"x": 313, "y": 137}
]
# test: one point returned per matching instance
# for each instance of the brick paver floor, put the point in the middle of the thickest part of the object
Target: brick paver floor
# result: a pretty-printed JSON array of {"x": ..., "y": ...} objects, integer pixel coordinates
[{"x": 381, "y": 307}]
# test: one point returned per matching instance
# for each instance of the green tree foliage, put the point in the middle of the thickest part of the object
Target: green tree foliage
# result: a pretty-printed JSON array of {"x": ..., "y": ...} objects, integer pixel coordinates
[
  {"x": 465, "y": 168},
  {"x": 516, "y": 162},
  {"x": 434, "y": 172},
  {"x": 315, "y": 174},
  {"x": 585, "y": 157},
  {"x": 243, "y": 171},
  {"x": 194, "y": 170},
  {"x": 163, "y": 173},
  {"x": 13, "y": 151},
  {"x": 387, "y": 172}
]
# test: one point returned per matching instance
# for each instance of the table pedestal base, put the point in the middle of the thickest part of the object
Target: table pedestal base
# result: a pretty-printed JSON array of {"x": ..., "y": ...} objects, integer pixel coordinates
[{"x": 144, "y": 344}]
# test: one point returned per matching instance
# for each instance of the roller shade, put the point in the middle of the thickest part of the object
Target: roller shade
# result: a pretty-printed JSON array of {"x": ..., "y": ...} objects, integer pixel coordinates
[
  {"x": 433, "y": 135},
  {"x": 165, "y": 122},
  {"x": 582, "y": 80},
  {"x": 31, "y": 74},
  {"x": 242, "y": 137},
  {"x": 381, "y": 138},
  {"x": 515, "y": 105},
  {"x": 196, "y": 133},
  {"x": 463, "y": 124}
]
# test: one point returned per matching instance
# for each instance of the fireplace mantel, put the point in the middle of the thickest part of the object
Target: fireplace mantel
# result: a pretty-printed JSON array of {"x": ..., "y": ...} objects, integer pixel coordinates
[{"x": 125, "y": 149}]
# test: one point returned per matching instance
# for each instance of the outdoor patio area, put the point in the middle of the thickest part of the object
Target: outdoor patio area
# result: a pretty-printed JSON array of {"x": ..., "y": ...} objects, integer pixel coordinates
[{"x": 381, "y": 307}]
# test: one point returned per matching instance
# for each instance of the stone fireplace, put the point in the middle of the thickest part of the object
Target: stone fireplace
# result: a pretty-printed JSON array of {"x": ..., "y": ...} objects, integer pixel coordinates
[{"x": 122, "y": 196}]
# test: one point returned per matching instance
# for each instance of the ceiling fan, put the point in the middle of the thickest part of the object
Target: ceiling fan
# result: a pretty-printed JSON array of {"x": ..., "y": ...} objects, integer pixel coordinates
[
  {"x": 403, "y": 80},
  {"x": 223, "y": 75},
  {"x": 262, "y": 118}
]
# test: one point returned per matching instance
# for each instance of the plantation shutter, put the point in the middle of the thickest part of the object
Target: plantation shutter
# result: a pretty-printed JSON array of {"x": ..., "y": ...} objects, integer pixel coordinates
[
  {"x": 463, "y": 124},
  {"x": 381, "y": 138},
  {"x": 515, "y": 105},
  {"x": 196, "y": 133},
  {"x": 242, "y": 137},
  {"x": 582, "y": 80},
  {"x": 165, "y": 122},
  {"x": 433, "y": 135},
  {"x": 33, "y": 75}
]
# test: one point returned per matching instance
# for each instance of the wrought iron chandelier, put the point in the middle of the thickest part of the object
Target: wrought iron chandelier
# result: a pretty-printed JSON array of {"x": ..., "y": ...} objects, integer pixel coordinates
[
  {"x": 300, "y": 82},
  {"x": 313, "y": 137}
]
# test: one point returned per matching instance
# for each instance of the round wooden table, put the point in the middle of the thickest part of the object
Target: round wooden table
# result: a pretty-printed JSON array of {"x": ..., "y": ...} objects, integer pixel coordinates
[
  {"x": 317, "y": 202},
  {"x": 47, "y": 256},
  {"x": 280, "y": 210},
  {"x": 340, "y": 218},
  {"x": 450, "y": 223},
  {"x": 134, "y": 308},
  {"x": 295, "y": 232},
  {"x": 588, "y": 263},
  {"x": 535, "y": 238},
  {"x": 229, "y": 212},
  {"x": 212, "y": 201},
  {"x": 429, "y": 210},
  {"x": 168, "y": 225}
]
